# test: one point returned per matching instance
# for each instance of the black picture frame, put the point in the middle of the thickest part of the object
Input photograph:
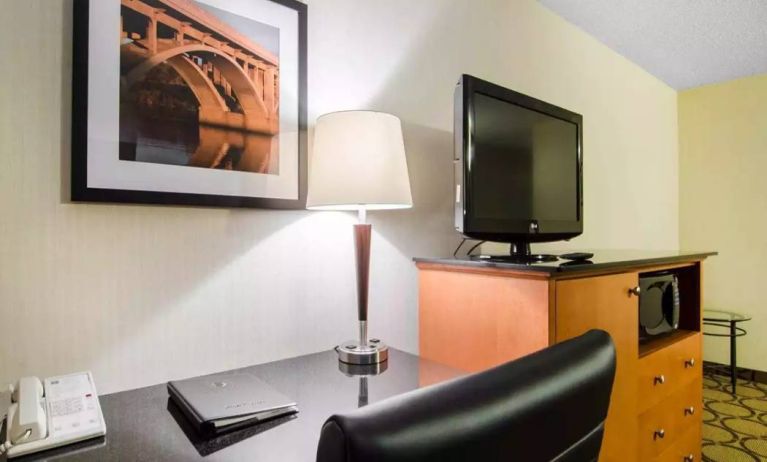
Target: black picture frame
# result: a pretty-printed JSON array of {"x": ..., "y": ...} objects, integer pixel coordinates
[{"x": 80, "y": 192}]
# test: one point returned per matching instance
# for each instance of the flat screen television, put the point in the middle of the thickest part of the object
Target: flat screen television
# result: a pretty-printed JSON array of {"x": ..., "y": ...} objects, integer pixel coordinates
[{"x": 518, "y": 167}]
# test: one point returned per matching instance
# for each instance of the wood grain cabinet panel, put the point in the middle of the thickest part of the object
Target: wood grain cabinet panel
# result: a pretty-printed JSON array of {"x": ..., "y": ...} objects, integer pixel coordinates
[
  {"x": 685, "y": 449},
  {"x": 603, "y": 302},
  {"x": 663, "y": 425},
  {"x": 476, "y": 321},
  {"x": 665, "y": 371}
]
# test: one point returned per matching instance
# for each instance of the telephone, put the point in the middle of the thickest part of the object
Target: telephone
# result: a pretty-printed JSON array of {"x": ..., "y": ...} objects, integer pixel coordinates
[{"x": 61, "y": 411}]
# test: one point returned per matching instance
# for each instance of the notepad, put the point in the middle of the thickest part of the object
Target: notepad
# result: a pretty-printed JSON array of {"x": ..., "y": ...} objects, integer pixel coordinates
[{"x": 223, "y": 402}]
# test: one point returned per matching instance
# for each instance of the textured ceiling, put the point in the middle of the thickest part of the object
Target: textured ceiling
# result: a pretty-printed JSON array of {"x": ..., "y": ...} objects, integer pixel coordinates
[{"x": 685, "y": 43}]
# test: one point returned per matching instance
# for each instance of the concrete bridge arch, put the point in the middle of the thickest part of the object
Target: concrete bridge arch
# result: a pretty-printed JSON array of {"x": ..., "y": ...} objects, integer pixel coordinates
[{"x": 213, "y": 110}]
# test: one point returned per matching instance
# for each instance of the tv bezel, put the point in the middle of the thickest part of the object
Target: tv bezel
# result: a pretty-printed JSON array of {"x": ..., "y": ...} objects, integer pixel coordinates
[{"x": 514, "y": 231}]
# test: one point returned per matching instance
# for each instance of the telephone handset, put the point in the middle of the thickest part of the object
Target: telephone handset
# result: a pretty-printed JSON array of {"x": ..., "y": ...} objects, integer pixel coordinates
[
  {"x": 26, "y": 416},
  {"x": 61, "y": 411}
]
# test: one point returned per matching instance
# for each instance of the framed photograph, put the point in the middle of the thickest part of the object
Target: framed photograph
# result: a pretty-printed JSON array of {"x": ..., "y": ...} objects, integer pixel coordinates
[{"x": 190, "y": 102}]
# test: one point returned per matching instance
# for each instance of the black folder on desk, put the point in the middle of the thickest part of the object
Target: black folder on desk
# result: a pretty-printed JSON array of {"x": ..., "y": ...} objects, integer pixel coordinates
[{"x": 223, "y": 402}]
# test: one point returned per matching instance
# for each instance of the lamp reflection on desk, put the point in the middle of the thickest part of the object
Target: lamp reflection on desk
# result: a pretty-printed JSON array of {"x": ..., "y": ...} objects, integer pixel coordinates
[{"x": 363, "y": 371}]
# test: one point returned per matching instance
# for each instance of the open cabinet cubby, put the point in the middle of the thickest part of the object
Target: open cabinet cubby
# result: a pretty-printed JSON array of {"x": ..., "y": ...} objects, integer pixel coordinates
[{"x": 689, "y": 277}]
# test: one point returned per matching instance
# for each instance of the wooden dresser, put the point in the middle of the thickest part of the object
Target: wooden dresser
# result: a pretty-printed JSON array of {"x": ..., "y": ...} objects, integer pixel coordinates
[{"x": 475, "y": 314}]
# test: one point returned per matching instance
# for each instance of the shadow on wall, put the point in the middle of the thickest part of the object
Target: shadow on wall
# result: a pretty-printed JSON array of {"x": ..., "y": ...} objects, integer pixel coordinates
[
  {"x": 421, "y": 85},
  {"x": 418, "y": 86},
  {"x": 400, "y": 80},
  {"x": 425, "y": 228}
]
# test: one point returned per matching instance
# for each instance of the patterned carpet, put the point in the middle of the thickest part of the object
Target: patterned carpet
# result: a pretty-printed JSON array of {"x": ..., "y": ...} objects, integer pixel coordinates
[{"x": 734, "y": 426}]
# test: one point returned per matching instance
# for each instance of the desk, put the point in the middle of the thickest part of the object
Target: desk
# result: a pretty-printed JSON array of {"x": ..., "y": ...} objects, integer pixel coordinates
[{"x": 142, "y": 425}]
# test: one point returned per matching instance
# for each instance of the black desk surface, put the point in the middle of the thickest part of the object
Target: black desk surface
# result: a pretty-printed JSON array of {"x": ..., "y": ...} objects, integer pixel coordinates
[
  {"x": 142, "y": 425},
  {"x": 602, "y": 259}
]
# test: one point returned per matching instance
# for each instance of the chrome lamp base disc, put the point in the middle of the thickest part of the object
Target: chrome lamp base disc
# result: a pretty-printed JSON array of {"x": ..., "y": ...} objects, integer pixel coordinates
[{"x": 353, "y": 352}]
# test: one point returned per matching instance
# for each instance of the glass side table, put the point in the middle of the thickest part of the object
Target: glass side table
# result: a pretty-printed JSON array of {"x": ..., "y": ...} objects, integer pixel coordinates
[{"x": 726, "y": 324}]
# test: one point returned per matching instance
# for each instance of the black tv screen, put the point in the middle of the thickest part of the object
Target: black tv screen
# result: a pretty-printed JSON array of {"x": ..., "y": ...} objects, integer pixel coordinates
[
  {"x": 520, "y": 162},
  {"x": 526, "y": 161}
]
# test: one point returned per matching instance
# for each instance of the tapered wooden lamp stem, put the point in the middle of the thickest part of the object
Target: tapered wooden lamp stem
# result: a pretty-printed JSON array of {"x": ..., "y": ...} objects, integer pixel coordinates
[
  {"x": 364, "y": 351},
  {"x": 362, "y": 234}
]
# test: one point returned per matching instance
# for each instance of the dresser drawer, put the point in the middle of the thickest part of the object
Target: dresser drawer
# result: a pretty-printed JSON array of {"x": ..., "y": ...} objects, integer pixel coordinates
[
  {"x": 663, "y": 426},
  {"x": 662, "y": 372},
  {"x": 686, "y": 449}
]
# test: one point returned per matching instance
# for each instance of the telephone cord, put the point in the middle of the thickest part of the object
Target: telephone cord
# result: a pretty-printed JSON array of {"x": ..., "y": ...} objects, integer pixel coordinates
[
  {"x": 9, "y": 444},
  {"x": 3, "y": 448}
]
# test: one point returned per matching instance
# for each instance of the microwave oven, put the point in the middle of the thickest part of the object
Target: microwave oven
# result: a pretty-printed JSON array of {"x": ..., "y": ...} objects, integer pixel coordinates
[{"x": 658, "y": 304}]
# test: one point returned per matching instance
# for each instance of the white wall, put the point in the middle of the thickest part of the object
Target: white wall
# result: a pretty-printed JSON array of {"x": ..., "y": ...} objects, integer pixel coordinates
[{"x": 144, "y": 294}]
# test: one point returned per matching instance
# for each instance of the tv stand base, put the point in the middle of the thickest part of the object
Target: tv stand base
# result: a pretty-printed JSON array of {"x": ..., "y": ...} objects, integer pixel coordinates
[{"x": 519, "y": 252}]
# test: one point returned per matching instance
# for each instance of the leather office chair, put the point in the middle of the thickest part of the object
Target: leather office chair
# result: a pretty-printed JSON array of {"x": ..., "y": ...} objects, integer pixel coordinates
[{"x": 548, "y": 406}]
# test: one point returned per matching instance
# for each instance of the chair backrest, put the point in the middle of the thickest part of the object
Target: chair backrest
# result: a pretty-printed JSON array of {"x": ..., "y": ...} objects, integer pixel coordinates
[{"x": 548, "y": 406}]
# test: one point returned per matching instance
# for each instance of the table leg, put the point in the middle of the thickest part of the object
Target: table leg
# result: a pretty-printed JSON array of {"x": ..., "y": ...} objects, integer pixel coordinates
[{"x": 733, "y": 355}]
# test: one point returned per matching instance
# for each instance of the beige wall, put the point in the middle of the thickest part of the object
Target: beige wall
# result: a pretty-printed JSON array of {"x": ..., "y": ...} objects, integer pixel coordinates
[
  {"x": 723, "y": 203},
  {"x": 144, "y": 294}
]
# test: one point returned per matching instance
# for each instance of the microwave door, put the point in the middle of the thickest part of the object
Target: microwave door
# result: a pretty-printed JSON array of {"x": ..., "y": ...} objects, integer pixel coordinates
[{"x": 651, "y": 315}]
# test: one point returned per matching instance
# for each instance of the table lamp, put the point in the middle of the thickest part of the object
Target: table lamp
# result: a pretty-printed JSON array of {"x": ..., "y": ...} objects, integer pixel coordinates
[{"x": 358, "y": 163}]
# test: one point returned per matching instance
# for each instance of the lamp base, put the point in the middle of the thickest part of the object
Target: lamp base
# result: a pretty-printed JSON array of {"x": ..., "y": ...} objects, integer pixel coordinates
[{"x": 353, "y": 352}]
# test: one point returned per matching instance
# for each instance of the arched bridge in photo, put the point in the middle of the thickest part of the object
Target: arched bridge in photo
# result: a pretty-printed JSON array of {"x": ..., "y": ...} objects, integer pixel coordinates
[{"x": 235, "y": 81}]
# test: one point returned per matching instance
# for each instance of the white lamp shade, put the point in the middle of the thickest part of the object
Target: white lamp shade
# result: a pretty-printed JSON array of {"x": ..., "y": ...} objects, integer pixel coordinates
[{"x": 358, "y": 161}]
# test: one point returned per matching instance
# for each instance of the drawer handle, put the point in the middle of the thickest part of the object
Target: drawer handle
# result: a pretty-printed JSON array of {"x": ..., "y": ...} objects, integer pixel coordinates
[
  {"x": 689, "y": 458},
  {"x": 635, "y": 291},
  {"x": 689, "y": 410},
  {"x": 659, "y": 379},
  {"x": 689, "y": 363},
  {"x": 659, "y": 434}
]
